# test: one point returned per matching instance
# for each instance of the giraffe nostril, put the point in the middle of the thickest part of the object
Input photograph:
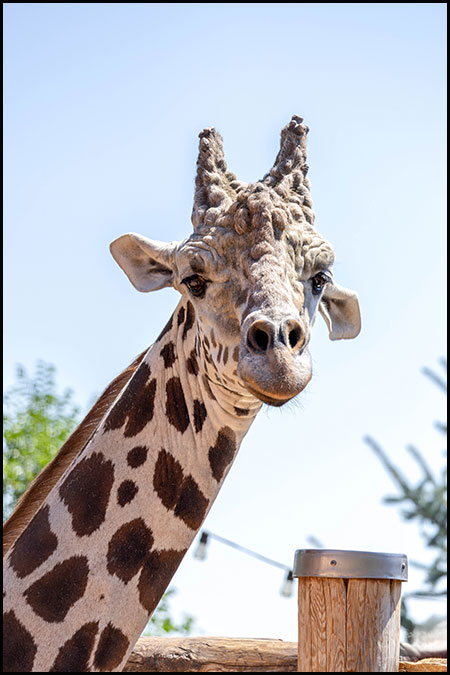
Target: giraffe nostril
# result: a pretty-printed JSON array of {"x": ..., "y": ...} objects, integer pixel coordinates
[
  {"x": 293, "y": 334},
  {"x": 259, "y": 336},
  {"x": 261, "y": 339},
  {"x": 294, "y": 337}
]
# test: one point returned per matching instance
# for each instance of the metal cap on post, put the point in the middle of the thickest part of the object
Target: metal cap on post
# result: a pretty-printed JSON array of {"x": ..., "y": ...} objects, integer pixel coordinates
[
  {"x": 350, "y": 564},
  {"x": 349, "y": 610}
]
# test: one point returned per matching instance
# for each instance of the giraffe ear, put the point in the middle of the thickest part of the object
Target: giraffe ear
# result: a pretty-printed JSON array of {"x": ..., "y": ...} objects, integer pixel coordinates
[
  {"x": 148, "y": 264},
  {"x": 340, "y": 308}
]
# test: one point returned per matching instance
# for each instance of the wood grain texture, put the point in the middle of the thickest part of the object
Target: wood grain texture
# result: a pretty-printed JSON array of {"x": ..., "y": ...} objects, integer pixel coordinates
[
  {"x": 348, "y": 625},
  {"x": 322, "y": 634},
  {"x": 336, "y": 595},
  {"x": 175, "y": 655},
  {"x": 209, "y": 654},
  {"x": 424, "y": 666}
]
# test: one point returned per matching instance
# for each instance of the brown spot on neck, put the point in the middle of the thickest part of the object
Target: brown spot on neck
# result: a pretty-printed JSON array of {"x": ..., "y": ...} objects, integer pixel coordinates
[
  {"x": 128, "y": 549},
  {"x": 176, "y": 408},
  {"x": 137, "y": 456},
  {"x": 190, "y": 318},
  {"x": 200, "y": 415},
  {"x": 192, "y": 364},
  {"x": 167, "y": 478},
  {"x": 178, "y": 492},
  {"x": 57, "y": 591},
  {"x": 73, "y": 656},
  {"x": 86, "y": 492},
  {"x": 19, "y": 647},
  {"x": 222, "y": 453},
  {"x": 36, "y": 543},
  {"x": 156, "y": 574},
  {"x": 180, "y": 316},
  {"x": 168, "y": 354},
  {"x": 192, "y": 504},
  {"x": 111, "y": 650},
  {"x": 135, "y": 406},
  {"x": 126, "y": 492}
]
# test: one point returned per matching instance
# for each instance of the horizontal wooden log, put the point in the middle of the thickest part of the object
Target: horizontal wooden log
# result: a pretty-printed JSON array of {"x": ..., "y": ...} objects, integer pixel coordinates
[
  {"x": 241, "y": 655},
  {"x": 424, "y": 666},
  {"x": 212, "y": 655}
]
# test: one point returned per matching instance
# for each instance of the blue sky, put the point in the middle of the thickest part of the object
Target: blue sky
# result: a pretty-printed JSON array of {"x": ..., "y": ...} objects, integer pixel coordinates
[{"x": 103, "y": 106}]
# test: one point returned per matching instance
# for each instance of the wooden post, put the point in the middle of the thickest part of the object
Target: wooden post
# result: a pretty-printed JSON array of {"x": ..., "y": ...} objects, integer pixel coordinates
[{"x": 349, "y": 610}]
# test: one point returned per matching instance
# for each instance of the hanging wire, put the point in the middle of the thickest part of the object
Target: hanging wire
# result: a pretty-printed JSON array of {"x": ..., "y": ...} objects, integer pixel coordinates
[{"x": 200, "y": 554}]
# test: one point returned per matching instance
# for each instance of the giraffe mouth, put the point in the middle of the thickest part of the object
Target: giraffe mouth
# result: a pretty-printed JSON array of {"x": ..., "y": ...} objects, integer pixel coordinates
[{"x": 276, "y": 401}]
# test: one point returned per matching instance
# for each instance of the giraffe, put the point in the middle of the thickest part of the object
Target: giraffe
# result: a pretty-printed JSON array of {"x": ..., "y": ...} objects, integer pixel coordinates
[{"x": 94, "y": 542}]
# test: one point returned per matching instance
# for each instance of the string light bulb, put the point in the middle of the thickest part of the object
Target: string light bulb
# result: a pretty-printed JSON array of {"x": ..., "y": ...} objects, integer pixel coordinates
[
  {"x": 287, "y": 587},
  {"x": 200, "y": 551}
]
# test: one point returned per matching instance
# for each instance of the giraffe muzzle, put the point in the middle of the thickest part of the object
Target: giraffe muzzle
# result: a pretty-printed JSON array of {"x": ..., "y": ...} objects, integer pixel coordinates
[{"x": 274, "y": 361}]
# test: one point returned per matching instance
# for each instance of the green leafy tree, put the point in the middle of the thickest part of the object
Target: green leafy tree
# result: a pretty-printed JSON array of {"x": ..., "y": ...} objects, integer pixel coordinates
[
  {"x": 36, "y": 422},
  {"x": 426, "y": 504},
  {"x": 162, "y": 622}
]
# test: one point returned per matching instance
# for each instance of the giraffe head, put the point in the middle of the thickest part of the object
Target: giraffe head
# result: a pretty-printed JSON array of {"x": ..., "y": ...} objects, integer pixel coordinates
[{"x": 255, "y": 268}]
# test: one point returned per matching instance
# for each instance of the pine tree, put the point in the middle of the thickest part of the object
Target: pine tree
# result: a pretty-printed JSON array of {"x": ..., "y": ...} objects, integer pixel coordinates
[{"x": 426, "y": 504}]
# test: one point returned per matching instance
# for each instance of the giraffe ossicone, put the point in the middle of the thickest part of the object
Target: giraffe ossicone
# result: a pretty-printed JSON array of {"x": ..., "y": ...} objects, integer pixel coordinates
[{"x": 96, "y": 539}]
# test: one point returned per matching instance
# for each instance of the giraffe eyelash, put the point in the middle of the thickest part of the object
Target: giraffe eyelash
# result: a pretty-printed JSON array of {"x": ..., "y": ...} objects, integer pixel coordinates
[
  {"x": 319, "y": 281},
  {"x": 196, "y": 285}
]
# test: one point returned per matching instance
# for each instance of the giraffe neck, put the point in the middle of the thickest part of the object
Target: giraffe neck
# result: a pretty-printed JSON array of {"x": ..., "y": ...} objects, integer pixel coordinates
[{"x": 89, "y": 569}]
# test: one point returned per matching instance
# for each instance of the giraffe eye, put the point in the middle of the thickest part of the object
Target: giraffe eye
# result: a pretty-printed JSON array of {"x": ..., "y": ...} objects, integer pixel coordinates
[
  {"x": 196, "y": 284},
  {"x": 318, "y": 281}
]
